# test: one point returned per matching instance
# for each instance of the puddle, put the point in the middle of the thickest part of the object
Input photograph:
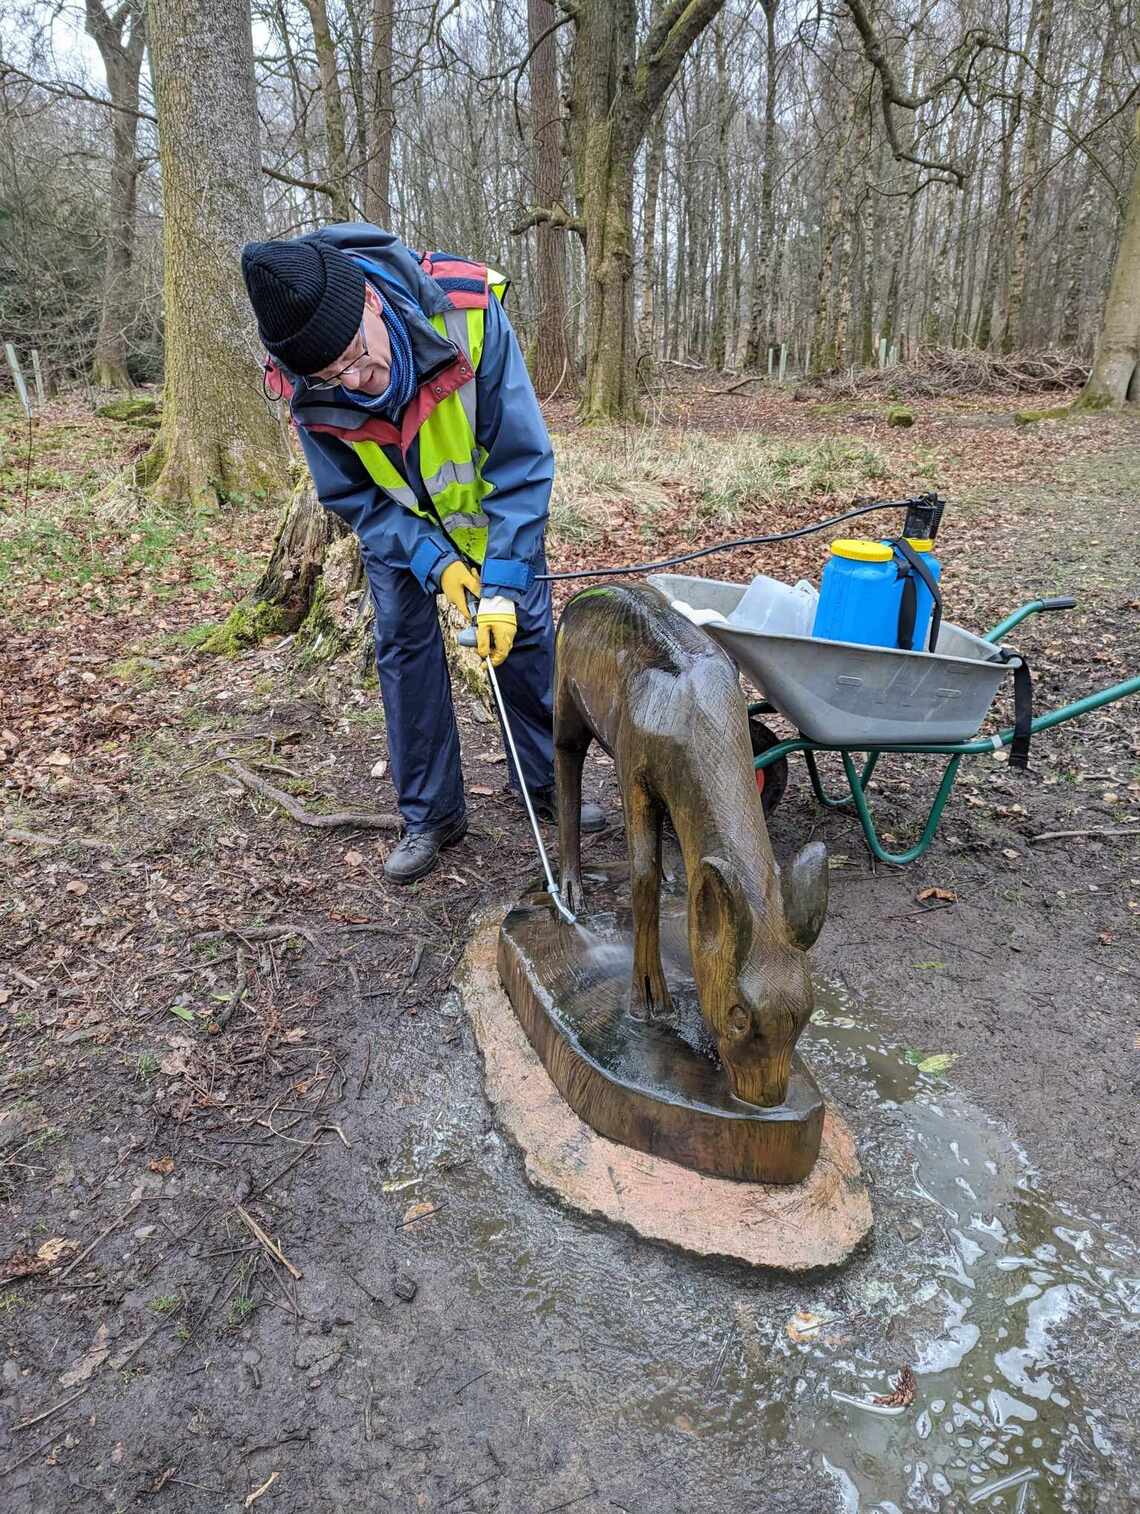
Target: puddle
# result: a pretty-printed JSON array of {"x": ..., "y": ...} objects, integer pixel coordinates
[
  {"x": 975, "y": 1277},
  {"x": 996, "y": 1421}
]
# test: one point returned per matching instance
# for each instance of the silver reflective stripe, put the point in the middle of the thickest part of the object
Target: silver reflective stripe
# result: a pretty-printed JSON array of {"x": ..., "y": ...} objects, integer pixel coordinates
[
  {"x": 455, "y": 322},
  {"x": 460, "y": 521},
  {"x": 450, "y": 473},
  {"x": 403, "y": 495}
]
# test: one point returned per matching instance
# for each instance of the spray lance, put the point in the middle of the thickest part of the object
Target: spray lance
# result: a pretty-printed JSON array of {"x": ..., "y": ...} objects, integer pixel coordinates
[{"x": 467, "y": 639}]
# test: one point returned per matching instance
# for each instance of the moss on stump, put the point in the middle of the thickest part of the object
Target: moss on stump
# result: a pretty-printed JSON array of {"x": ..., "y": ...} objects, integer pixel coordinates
[
  {"x": 1031, "y": 417},
  {"x": 134, "y": 411},
  {"x": 900, "y": 415},
  {"x": 243, "y": 627}
]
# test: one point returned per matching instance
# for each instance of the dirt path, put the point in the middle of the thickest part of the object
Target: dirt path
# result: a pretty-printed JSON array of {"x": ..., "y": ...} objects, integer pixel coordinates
[{"x": 214, "y": 1014}]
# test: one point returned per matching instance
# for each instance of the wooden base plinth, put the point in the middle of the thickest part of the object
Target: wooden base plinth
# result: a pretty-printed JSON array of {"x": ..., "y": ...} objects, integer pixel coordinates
[
  {"x": 801, "y": 1228},
  {"x": 655, "y": 1086}
]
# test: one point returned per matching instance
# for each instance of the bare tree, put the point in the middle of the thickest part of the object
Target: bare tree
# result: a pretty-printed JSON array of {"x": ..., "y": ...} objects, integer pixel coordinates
[
  {"x": 550, "y": 351},
  {"x": 121, "y": 39}
]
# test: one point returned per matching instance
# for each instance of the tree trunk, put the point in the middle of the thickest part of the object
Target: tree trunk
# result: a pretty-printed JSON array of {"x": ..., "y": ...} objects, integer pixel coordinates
[
  {"x": 653, "y": 163},
  {"x": 120, "y": 40},
  {"x": 823, "y": 353},
  {"x": 867, "y": 281},
  {"x": 759, "y": 318},
  {"x": 995, "y": 256},
  {"x": 218, "y": 437},
  {"x": 614, "y": 100},
  {"x": 1115, "y": 376},
  {"x": 550, "y": 351},
  {"x": 1013, "y": 333},
  {"x": 378, "y": 181},
  {"x": 283, "y": 595},
  {"x": 333, "y": 101},
  {"x": 718, "y": 342}
]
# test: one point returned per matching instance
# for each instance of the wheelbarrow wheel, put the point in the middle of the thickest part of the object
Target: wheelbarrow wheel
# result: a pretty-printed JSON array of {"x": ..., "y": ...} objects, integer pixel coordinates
[{"x": 771, "y": 781}]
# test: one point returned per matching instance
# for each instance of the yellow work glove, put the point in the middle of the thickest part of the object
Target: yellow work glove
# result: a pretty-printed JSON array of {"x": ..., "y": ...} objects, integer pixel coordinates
[
  {"x": 457, "y": 581},
  {"x": 495, "y": 628}
]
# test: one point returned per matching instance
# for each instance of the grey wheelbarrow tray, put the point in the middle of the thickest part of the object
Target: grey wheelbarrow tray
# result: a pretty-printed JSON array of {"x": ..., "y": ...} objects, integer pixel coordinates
[{"x": 847, "y": 698}]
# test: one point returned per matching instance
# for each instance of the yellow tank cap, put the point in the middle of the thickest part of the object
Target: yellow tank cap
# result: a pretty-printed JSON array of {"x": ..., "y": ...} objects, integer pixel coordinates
[
  {"x": 861, "y": 551},
  {"x": 921, "y": 543}
]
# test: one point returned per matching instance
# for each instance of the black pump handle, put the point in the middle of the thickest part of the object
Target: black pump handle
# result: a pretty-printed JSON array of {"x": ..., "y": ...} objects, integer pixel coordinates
[{"x": 1058, "y": 602}]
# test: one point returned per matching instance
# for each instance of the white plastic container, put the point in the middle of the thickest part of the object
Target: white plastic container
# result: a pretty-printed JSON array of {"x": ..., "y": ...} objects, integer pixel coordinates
[{"x": 776, "y": 608}]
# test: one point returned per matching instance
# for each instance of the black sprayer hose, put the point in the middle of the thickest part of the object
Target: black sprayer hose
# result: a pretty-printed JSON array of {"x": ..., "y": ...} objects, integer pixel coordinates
[{"x": 743, "y": 541}]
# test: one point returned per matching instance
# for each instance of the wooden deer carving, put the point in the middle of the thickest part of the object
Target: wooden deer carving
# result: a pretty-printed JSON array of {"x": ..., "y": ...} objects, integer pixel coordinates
[{"x": 664, "y": 701}]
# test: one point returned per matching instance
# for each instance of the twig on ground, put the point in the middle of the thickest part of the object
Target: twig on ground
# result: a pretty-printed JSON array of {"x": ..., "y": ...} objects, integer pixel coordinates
[
  {"x": 251, "y": 933},
  {"x": 102, "y": 1236},
  {"x": 366, "y": 819},
  {"x": 1062, "y": 835},
  {"x": 288, "y": 1167},
  {"x": 37, "y": 838},
  {"x": 267, "y": 1241},
  {"x": 749, "y": 378},
  {"x": 28, "y": 982},
  {"x": 367, "y": 1292},
  {"x": 257, "y": 1492}
]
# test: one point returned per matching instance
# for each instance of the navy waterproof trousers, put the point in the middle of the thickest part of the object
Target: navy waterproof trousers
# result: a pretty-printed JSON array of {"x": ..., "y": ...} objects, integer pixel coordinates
[{"x": 415, "y": 685}]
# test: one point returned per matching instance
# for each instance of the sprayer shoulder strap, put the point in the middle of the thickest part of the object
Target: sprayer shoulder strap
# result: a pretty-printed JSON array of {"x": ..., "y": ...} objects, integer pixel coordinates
[{"x": 908, "y": 607}]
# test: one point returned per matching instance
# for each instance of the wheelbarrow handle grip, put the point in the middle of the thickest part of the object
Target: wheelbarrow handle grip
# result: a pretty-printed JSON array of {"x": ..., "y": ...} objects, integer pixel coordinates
[{"x": 1060, "y": 602}]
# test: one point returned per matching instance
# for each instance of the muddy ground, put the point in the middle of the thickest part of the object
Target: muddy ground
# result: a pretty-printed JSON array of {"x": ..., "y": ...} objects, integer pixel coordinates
[{"x": 218, "y": 1027}]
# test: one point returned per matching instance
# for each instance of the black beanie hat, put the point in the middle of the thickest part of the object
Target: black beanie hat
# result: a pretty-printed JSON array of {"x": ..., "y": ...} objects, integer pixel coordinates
[{"x": 308, "y": 298}]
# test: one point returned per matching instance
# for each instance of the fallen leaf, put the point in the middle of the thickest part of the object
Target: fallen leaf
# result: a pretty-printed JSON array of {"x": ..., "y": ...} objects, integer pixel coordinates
[
  {"x": 1008, "y": 852},
  {"x": 484, "y": 790},
  {"x": 938, "y": 1063},
  {"x": 295, "y": 1034},
  {"x": 58, "y": 759},
  {"x": 803, "y": 1326},
  {"x": 163, "y": 1165},
  {"x": 182, "y": 1012},
  {"x": 947, "y": 895},
  {"x": 75, "y": 887},
  {"x": 90, "y": 1362},
  {"x": 418, "y": 1212},
  {"x": 353, "y": 859},
  {"x": 380, "y": 768},
  {"x": 54, "y": 1250},
  {"x": 902, "y": 1393},
  {"x": 5, "y": 995}
]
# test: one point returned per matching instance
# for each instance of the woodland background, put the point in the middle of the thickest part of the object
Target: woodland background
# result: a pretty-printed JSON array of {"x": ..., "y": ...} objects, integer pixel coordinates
[{"x": 691, "y": 183}]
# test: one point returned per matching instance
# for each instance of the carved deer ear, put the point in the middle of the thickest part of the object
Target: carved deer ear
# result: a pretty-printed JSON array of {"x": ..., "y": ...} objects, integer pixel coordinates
[
  {"x": 804, "y": 884},
  {"x": 723, "y": 917}
]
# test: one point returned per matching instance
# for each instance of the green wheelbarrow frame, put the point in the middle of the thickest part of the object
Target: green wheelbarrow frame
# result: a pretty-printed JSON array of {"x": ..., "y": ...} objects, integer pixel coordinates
[{"x": 857, "y": 780}]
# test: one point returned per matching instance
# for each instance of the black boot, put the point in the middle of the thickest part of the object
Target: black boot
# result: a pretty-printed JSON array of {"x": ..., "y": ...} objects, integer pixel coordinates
[
  {"x": 594, "y": 818},
  {"x": 419, "y": 851}
]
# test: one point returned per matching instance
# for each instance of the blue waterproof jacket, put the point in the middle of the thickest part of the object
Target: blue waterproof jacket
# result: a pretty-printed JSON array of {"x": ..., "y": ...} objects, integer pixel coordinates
[{"x": 519, "y": 461}]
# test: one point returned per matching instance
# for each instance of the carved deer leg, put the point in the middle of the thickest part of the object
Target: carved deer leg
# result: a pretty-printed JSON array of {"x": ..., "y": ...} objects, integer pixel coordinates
[
  {"x": 571, "y": 743},
  {"x": 649, "y": 997}
]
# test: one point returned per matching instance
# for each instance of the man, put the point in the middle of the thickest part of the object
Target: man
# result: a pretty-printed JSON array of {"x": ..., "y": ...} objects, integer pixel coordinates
[{"x": 422, "y": 430}]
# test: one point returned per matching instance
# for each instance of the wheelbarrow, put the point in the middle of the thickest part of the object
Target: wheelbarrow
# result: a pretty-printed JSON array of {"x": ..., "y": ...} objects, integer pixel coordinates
[{"x": 865, "y": 701}]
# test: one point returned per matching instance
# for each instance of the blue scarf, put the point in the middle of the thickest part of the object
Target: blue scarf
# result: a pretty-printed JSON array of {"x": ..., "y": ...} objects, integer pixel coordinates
[{"x": 402, "y": 379}]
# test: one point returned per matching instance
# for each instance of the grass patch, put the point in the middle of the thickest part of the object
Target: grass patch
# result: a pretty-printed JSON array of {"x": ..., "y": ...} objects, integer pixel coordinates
[{"x": 638, "y": 473}]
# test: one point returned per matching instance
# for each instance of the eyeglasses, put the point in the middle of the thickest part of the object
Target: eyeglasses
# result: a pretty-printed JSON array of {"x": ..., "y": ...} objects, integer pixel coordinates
[{"x": 331, "y": 383}]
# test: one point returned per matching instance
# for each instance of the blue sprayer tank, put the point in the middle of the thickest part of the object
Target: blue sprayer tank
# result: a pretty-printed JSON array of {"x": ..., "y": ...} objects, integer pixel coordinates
[{"x": 860, "y": 594}]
